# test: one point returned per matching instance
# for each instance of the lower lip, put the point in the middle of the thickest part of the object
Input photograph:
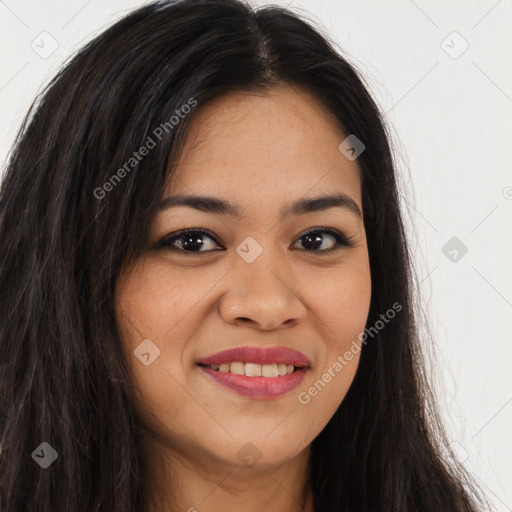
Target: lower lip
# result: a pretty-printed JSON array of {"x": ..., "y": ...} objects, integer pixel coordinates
[{"x": 262, "y": 388}]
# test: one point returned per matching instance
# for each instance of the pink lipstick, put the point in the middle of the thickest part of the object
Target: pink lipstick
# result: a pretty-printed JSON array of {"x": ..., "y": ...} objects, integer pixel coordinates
[{"x": 264, "y": 373}]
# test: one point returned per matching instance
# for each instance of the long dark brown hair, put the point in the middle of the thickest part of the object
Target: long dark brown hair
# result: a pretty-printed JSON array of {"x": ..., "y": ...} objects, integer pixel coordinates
[{"x": 64, "y": 238}]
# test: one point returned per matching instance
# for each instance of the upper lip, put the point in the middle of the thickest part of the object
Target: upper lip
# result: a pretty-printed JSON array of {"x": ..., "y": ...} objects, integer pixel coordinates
[{"x": 258, "y": 355}]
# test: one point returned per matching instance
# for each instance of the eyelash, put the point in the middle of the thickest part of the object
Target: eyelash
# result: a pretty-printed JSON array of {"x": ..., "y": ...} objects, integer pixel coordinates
[{"x": 168, "y": 241}]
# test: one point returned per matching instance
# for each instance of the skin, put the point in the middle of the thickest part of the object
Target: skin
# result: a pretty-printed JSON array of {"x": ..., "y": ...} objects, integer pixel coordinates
[{"x": 262, "y": 152}]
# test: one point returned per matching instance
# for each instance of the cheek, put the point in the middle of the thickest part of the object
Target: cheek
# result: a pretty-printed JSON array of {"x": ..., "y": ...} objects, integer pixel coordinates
[
  {"x": 153, "y": 300},
  {"x": 342, "y": 311},
  {"x": 151, "y": 304},
  {"x": 343, "y": 303}
]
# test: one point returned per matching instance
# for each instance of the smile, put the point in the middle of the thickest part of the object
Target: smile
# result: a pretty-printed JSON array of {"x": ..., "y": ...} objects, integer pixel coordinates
[{"x": 264, "y": 373}]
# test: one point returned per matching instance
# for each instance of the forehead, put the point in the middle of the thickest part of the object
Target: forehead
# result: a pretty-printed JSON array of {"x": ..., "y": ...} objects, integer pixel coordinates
[{"x": 280, "y": 144}]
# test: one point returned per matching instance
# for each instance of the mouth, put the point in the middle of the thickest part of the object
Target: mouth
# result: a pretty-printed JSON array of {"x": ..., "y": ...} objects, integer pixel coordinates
[{"x": 264, "y": 373}]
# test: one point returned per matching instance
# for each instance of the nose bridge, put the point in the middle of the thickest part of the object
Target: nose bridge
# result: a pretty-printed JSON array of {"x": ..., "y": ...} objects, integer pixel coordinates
[{"x": 261, "y": 266}]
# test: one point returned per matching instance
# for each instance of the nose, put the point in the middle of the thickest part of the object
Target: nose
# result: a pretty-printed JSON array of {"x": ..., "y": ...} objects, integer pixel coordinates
[{"x": 261, "y": 297}]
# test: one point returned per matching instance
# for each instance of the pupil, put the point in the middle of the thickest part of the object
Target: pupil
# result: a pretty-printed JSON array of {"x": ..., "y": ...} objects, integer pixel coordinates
[
  {"x": 314, "y": 240},
  {"x": 190, "y": 240}
]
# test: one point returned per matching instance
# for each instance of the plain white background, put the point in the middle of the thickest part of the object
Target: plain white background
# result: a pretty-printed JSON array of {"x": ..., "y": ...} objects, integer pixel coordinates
[{"x": 441, "y": 73}]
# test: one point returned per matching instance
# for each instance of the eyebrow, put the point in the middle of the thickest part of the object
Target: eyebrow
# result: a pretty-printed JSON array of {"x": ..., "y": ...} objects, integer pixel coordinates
[{"x": 300, "y": 207}]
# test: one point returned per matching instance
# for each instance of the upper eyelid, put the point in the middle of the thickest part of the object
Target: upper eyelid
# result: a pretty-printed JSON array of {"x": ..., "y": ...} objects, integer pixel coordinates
[{"x": 182, "y": 232}]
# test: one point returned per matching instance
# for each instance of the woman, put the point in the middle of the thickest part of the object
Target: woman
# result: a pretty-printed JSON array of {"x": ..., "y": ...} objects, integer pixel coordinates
[{"x": 206, "y": 292}]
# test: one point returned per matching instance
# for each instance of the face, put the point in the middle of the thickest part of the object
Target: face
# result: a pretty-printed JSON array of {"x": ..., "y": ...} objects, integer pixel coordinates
[{"x": 272, "y": 277}]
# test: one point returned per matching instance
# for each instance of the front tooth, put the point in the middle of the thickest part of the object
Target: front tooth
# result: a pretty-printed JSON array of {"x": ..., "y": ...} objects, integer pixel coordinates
[
  {"x": 224, "y": 367},
  {"x": 252, "y": 370},
  {"x": 237, "y": 368},
  {"x": 289, "y": 368},
  {"x": 281, "y": 368},
  {"x": 269, "y": 370}
]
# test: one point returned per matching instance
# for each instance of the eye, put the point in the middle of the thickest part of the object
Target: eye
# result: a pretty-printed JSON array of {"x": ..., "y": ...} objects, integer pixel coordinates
[
  {"x": 193, "y": 241},
  {"x": 187, "y": 240},
  {"x": 315, "y": 240}
]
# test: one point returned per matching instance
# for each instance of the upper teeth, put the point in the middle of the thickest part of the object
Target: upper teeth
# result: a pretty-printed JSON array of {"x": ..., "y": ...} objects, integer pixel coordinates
[{"x": 253, "y": 369}]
